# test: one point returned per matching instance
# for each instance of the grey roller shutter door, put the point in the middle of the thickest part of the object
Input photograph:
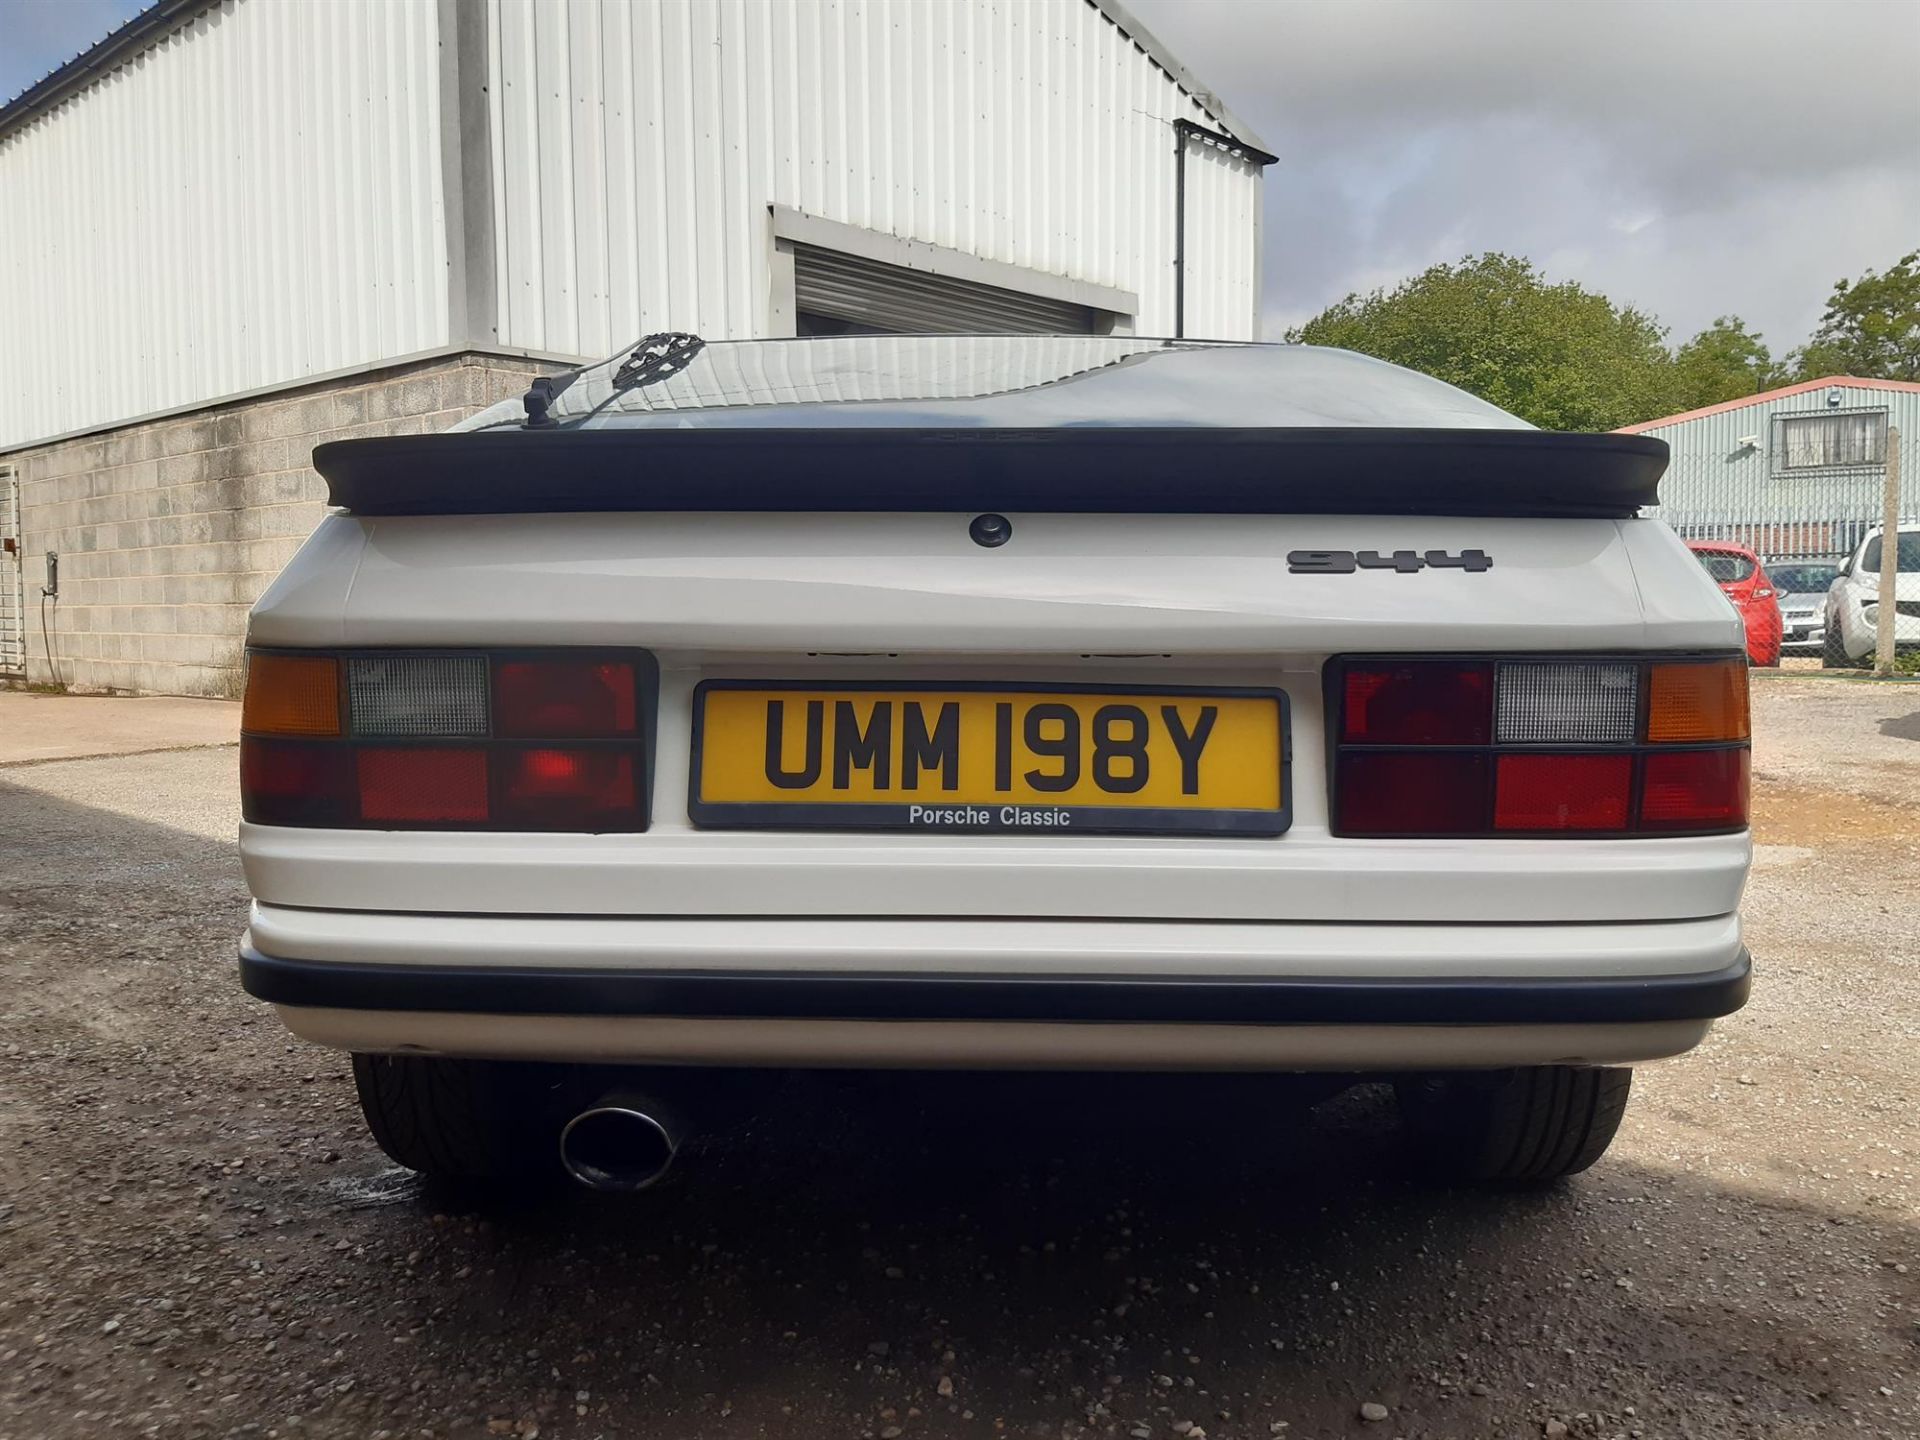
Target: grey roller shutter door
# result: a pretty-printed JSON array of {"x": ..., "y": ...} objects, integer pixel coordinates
[{"x": 890, "y": 298}]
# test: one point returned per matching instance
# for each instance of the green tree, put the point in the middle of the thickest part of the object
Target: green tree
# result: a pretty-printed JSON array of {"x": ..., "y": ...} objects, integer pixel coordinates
[
  {"x": 1560, "y": 356},
  {"x": 1871, "y": 328},
  {"x": 1725, "y": 361}
]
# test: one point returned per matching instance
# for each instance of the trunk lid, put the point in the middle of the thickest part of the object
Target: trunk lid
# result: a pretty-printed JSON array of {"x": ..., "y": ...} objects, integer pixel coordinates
[{"x": 1196, "y": 588}]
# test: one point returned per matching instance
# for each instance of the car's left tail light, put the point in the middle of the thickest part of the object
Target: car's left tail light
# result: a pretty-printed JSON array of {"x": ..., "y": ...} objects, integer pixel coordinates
[{"x": 551, "y": 740}]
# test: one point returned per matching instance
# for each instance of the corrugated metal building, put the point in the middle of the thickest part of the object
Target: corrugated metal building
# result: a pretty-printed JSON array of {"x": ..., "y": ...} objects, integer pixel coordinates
[
  {"x": 1796, "y": 472},
  {"x": 245, "y": 226}
]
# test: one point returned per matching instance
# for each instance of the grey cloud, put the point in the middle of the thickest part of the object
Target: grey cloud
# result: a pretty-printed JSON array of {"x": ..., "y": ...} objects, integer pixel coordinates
[{"x": 1692, "y": 158}]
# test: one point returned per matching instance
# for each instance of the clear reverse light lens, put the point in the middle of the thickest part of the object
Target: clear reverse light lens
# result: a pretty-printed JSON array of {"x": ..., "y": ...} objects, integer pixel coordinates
[
  {"x": 418, "y": 694},
  {"x": 1567, "y": 702}
]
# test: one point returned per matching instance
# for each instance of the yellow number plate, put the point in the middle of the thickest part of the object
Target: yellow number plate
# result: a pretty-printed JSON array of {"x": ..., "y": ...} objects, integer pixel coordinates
[{"x": 946, "y": 759}]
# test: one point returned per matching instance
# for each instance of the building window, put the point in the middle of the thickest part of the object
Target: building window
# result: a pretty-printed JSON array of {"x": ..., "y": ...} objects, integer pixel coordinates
[{"x": 1830, "y": 441}]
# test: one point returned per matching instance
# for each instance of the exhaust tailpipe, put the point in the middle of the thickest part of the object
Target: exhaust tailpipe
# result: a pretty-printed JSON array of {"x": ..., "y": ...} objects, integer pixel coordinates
[{"x": 623, "y": 1142}]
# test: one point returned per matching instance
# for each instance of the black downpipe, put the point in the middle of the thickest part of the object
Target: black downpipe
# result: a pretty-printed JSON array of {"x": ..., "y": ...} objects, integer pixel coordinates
[
  {"x": 1179, "y": 229},
  {"x": 1183, "y": 131}
]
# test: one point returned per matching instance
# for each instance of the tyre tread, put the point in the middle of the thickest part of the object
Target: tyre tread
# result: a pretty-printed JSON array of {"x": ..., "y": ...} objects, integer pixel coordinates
[
  {"x": 454, "y": 1119},
  {"x": 1525, "y": 1127}
]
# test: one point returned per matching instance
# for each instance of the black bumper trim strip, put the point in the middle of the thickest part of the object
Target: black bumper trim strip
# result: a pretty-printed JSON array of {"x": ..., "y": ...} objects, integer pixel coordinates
[{"x": 815, "y": 995}]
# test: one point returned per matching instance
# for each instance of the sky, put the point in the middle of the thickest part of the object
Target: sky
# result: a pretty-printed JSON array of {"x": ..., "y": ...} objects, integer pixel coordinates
[
  {"x": 1695, "y": 158},
  {"x": 40, "y": 35}
]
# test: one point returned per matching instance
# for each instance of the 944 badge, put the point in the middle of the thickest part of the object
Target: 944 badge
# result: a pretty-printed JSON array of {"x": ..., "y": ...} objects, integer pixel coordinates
[{"x": 1405, "y": 562}]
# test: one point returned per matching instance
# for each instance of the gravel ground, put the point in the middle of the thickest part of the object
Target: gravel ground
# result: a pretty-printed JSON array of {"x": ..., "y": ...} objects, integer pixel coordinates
[{"x": 198, "y": 1239}]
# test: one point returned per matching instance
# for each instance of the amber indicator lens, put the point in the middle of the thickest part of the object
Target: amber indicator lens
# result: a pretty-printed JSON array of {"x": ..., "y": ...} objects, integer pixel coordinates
[
  {"x": 1697, "y": 701},
  {"x": 291, "y": 695}
]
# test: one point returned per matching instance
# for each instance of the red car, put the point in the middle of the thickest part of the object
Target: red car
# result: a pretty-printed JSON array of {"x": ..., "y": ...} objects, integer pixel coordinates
[{"x": 1744, "y": 581}]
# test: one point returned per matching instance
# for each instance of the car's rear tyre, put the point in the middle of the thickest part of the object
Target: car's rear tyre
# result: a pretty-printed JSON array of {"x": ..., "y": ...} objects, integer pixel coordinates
[
  {"x": 460, "y": 1122},
  {"x": 1514, "y": 1127},
  {"x": 1833, "y": 654}
]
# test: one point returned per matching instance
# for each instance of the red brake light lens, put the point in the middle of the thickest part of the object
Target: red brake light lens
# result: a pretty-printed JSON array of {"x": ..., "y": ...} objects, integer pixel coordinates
[
  {"x": 423, "y": 785},
  {"x": 1418, "y": 702},
  {"x": 292, "y": 782},
  {"x": 568, "y": 789},
  {"x": 1563, "y": 792},
  {"x": 564, "y": 699},
  {"x": 1694, "y": 790}
]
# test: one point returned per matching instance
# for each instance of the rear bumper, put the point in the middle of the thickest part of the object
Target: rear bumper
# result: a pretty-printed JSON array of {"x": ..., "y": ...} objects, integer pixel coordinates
[
  {"x": 997, "y": 993},
  {"x": 1199, "y": 1000},
  {"x": 674, "y": 873}
]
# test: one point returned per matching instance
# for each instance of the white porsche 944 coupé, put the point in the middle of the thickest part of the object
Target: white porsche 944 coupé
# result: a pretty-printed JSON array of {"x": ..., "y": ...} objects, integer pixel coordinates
[{"x": 994, "y": 703}]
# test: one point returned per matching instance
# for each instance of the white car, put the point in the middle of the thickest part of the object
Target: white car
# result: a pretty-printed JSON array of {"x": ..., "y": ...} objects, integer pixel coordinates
[
  {"x": 1853, "y": 604},
  {"x": 1013, "y": 703},
  {"x": 1802, "y": 586}
]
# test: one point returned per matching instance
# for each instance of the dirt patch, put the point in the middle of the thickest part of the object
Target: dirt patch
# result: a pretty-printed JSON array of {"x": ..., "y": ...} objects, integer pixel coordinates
[{"x": 1790, "y": 813}]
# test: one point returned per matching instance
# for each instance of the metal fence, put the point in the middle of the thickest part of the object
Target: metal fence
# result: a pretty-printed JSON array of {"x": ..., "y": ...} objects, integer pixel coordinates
[{"x": 1780, "y": 513}]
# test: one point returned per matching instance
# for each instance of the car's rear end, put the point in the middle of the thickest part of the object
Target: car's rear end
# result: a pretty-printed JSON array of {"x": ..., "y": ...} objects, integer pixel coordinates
[
  {"x": 1802, "y": 587},
  {"x": 1357, "y": 746},
  {"x": 1745, "y": 582}
]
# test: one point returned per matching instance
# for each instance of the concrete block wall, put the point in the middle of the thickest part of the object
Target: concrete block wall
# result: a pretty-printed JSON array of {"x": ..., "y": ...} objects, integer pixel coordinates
[{"x": 168, "y": 531}]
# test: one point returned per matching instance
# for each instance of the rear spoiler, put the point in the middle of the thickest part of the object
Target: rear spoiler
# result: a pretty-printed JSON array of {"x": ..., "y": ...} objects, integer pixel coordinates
[{"x": 1085, "y": 469}]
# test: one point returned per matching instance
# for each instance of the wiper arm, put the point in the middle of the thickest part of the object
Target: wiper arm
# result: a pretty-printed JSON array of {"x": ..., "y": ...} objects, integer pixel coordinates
[{"x": 655, "y": 358}]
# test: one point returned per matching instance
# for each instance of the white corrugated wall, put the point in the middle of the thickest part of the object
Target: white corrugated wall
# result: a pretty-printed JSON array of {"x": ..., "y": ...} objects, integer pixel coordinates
[
  {"x": 1223, "y": 244},
  {"x": 638, "y": 144},
  {"x": 255, "y": 200}
]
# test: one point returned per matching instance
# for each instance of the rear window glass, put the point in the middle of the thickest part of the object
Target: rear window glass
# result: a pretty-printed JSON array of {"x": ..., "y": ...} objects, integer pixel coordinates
[
  {"x": 1803, "y": 579},
  {"x": 1725, "y": 567},
  {"x": 1906, "y": 559}
]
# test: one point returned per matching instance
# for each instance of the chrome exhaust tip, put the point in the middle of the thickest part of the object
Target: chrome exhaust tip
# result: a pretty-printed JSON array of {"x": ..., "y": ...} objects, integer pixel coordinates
[{"x": 622, "y": 1144}]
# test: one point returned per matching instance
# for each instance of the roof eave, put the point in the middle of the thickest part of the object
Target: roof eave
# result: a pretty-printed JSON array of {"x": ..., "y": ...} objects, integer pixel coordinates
[
  {"x": 1208, "y": 100},
  {"x": 153, "y": 22},
  {"x": 1801, "y": 387},
  {"x": 97, "y": 59}
]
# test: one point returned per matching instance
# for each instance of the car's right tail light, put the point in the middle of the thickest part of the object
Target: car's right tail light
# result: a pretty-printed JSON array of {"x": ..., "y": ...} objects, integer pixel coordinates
[{"x": 1568, "y": 745}]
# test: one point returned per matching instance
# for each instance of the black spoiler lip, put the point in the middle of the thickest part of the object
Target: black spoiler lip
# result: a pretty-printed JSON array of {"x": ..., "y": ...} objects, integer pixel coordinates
[{"x": 1065, "y": 469}]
